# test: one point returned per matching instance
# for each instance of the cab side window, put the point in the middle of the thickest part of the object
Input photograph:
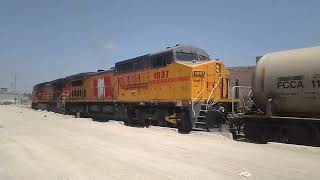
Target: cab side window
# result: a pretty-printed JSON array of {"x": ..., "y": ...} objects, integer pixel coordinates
[
  {"x": 157, "y": 61},
  {"x": 77, "y": 83},
  {"x": 161, "y": 60}
]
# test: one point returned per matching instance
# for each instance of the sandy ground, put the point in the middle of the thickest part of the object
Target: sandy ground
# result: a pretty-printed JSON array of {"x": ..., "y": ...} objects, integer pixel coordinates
[{"x": 40, "y": 145}]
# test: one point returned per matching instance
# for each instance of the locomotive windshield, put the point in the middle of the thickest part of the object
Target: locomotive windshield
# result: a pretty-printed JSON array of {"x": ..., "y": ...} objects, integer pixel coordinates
[{"x": 181, "y": 56}]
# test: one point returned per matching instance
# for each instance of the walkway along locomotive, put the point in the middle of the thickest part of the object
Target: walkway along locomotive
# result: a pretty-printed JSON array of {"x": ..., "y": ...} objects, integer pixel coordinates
[{"x": 173, "y": 87}]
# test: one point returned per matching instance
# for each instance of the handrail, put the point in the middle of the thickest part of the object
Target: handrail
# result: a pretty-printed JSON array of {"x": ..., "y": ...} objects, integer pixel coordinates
[
  {"x": 199, "y": 94},
  {"x": 192, "y": 102},
  {"x": 213, "y": 90},
  {"x": 233, "y": 98},
  {"x": 62, "y": 98}
]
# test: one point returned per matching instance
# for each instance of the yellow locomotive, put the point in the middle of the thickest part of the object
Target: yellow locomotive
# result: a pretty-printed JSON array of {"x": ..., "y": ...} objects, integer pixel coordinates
[{"x": 174, "y": 87}]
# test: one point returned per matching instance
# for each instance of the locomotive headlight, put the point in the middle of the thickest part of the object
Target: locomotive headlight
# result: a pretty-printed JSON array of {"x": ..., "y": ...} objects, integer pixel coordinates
[{"x": 179, "y": 103}]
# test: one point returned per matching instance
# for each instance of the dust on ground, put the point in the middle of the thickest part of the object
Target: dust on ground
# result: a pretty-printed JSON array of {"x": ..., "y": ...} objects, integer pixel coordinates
[{"x": 39, "y": 145}]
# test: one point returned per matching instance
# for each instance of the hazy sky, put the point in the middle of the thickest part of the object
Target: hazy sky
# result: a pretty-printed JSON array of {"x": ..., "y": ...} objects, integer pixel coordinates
[{"x": 42, "y": 40}]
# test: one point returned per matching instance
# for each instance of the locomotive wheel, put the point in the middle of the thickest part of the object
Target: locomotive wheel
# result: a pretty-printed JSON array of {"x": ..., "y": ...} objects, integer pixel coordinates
[
  {"x": 158, "y": 117},
  {"x": 131, "y": 117},
  {"x": 77, "y": 114},
  {"x": 142, "y": 118},
  {"x": 129, "y": 121},
  {"x": 161, "y": 122},
  {"x": 34, "y": 106},
  {"x": 184, "y": 123}
]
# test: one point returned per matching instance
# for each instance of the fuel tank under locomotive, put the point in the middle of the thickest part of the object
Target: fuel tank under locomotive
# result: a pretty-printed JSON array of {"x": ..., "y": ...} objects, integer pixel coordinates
[{"x": 292, "y": 80}]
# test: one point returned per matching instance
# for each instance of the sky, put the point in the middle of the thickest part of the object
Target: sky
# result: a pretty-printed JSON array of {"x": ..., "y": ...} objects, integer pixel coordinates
[{"x": 42, "y": 40}]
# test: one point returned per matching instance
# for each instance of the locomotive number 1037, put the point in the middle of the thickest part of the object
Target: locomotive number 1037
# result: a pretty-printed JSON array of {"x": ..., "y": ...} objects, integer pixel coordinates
[{"x": 161, "y": 75}]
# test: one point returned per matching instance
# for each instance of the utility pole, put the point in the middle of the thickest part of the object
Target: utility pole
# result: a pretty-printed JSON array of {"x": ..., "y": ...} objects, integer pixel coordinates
[
  {"x": 15, "y": 88},
  {"x": 15, "y": 82}
]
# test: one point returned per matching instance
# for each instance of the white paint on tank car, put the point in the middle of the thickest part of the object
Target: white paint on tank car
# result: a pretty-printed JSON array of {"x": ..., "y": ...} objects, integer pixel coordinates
[{"x": 292, "y": 80}]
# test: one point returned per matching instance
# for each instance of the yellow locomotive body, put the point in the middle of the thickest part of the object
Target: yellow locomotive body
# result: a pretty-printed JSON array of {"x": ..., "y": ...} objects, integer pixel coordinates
[
  {"x": 170, "y": 87},
  {"x": 178, "y": 83},
  {"x": 172, "y": 81}
]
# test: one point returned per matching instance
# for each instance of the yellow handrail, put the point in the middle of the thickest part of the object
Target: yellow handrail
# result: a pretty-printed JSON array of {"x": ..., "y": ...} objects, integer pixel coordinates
[{"x": 213, "y": 90}]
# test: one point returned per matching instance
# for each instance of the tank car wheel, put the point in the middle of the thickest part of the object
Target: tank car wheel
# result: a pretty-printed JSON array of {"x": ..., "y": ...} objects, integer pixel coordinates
[
  {"x": 315, "y": 131},
  {"x": 184, "y": 124},
  {"x": 254, "y": 133}
]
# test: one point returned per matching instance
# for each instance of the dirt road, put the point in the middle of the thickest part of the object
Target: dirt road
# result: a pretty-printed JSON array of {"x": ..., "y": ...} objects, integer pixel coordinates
[{"x": 40, "y": 145}]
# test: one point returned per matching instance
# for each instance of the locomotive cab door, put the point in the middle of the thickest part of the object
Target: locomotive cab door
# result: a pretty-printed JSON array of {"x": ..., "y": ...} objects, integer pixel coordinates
[{"x": 198, "y": 84}]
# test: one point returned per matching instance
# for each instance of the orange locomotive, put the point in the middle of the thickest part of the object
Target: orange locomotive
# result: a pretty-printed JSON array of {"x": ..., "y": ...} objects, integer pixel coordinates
[{"x": 174, "y": 87}]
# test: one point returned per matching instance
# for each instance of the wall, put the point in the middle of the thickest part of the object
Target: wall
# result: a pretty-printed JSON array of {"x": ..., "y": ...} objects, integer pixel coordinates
[{"x": 244, "y": 74}]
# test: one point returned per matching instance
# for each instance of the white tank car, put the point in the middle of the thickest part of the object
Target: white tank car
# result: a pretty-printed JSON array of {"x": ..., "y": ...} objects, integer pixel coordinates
[{"x": 292, "y": 80}]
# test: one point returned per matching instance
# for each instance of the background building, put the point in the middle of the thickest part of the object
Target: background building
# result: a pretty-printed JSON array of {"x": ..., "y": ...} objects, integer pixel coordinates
[
  {"x": 244, "y": 75},
  {"x": 14, "y": 97},
  {"x": 3, "y": 90}
]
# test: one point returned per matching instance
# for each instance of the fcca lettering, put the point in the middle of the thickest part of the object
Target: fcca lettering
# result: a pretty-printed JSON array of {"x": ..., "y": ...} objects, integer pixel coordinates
[{"x": 290, "y": 84}]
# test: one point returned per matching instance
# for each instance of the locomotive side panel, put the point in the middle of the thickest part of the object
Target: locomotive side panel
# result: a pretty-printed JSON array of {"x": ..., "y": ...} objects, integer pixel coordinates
[
  {"x": 166, "y": 84},
  {"x": 175, "y": 83},
  {"x": 132, "y": 87},
  {"x": 78, "y": 91},
  {"x": 43, "y": 96},
  {"x": 100, "y": 87},
  {"x": 42, "y": 93},
  {"x": 211, "y": 77},
  {"x": 171, "y": 83}
]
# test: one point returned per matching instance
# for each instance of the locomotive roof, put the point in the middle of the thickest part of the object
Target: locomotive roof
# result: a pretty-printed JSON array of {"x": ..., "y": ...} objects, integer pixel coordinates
[
  {"x": 61, "y": 80},
  {"x": 176, "y": 49},
  {"x": 77, "y": 76},
  {"x": 131, "y": 60},
  {"x": 103, "y": 71},
  {"x": 41, "y": 84},
  {"x": 185, "y": 49}
]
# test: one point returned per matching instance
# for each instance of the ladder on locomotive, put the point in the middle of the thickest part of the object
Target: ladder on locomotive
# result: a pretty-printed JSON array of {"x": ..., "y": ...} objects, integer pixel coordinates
[
  {"x": 201, "y": 120},
  {"x": 201, "y": 123},
  {"x": 61, "y": 102}
]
